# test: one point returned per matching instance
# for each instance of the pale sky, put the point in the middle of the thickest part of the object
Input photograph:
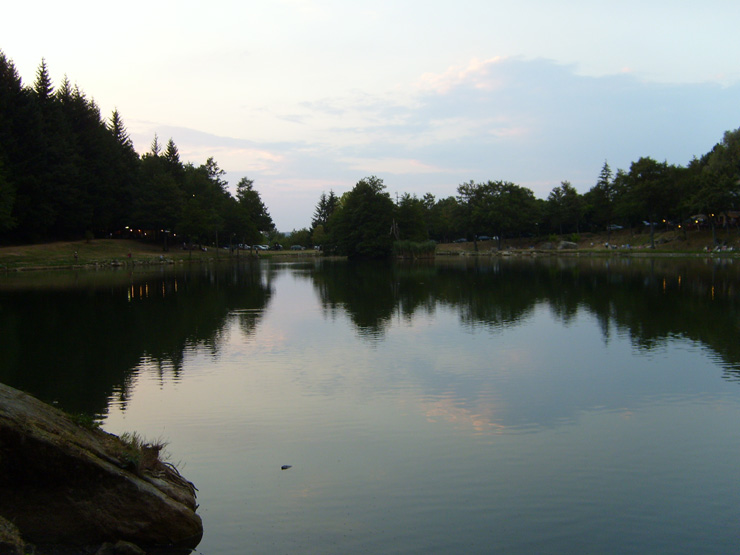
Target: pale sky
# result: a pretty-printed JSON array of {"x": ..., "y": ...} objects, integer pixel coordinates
[{"x": 304, "y": 96}]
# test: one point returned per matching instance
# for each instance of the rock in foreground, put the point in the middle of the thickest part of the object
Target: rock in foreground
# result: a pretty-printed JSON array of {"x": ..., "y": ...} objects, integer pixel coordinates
[{"x": 67, "y": 484}]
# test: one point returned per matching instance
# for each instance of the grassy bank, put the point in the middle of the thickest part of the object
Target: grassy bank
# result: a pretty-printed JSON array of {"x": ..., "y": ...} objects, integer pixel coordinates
[
  {"x": 121, "y": 252},
  {"x": 693, "y": 242},
  {"x": 113, "y": 252}
]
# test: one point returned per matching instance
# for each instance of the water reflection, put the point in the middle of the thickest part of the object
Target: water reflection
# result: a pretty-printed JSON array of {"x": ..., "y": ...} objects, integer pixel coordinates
[
  {"x": 651, "y": 300},
  {"x": 76, "y": 338}
]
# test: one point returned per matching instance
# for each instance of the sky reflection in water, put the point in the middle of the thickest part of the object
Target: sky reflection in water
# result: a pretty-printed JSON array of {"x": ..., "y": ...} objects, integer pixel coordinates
[
  {"x": 433, "y": 433},
  {"x": 483, "y": 409}
]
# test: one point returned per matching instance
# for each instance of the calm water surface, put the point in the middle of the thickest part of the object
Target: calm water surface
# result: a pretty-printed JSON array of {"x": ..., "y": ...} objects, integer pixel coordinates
[{"x": 470, "y": 406}]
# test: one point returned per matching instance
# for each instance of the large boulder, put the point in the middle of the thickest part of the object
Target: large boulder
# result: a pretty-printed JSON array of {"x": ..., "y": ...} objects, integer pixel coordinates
[{"x": 68, "y": 483}]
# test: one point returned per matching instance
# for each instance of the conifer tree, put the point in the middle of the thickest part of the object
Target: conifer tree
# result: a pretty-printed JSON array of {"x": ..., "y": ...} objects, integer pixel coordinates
[
  {"x": 118, "y": 129},
  {"x": 171, "y": 154},
  {"x": 155, "y": 148},
  {"x": 43, "y": 87}
]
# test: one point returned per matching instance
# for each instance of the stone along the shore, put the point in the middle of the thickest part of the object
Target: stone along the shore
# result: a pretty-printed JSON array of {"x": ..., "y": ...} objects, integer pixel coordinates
[{"x": 70, "y": 484}]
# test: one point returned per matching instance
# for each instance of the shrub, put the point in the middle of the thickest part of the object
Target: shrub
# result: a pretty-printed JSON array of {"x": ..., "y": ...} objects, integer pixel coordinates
[
  {"x": 412, "y": 249},
  {"x": 140, "y": 455}
]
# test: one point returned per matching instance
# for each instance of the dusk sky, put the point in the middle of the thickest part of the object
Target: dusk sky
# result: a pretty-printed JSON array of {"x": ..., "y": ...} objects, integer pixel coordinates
[{"x": 305, "y": 96}]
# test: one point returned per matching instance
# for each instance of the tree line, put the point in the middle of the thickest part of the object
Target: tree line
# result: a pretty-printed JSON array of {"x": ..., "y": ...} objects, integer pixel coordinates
[
  {"x": 67, "y": 173},
  {"x": 706, "y": 192}
]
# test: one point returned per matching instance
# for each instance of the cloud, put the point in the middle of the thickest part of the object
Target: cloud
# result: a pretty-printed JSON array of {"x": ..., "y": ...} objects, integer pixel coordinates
[
  {"x": 476, "y": 74},
  {"x": 396, "y": 166}
]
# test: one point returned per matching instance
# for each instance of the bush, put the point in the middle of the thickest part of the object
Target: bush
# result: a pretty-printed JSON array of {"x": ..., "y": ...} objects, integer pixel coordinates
[{"x": 412, "y": 249}]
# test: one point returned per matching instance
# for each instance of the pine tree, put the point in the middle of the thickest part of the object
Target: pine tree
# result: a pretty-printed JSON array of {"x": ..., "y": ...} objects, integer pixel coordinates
[
  {"x": 155, "y": 148},
  {"x": 116, "y": 127},
  {"x": 43, "y": 87},
  {"x": 604, "y": 193},
  {"x": 64, "y": 92},
  {"x": 171, "y": 154}
]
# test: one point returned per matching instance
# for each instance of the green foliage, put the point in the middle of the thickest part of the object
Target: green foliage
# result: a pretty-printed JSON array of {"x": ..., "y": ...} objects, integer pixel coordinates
[
  {"x": 43, "y": 87},
  {"x": 503, "y": 207},
  {"x": 444, "y": 219},
  {"x": 319, "y": 237},
  {"x": 411, "y": 219},
  {"x": 138, "y": 454},
  {"x": 324, "y": 209},
  {"x": 718, "y": 178},
  {"x": 564, "y": 207},
  {"x": 301, "y": 237},
  {"x": 603, "y": 196},
  {"x": 65, "y": 172},
  {"x": 253, "y": 219},
  {"x": 360, "y": 227},
  {"x": 414, "y": 249}
]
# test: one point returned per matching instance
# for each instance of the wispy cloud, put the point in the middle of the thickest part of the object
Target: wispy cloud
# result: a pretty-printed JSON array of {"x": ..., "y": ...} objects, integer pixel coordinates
[
  {"x": 476, "y": 74},
  {"x": 395, "y": 166}
]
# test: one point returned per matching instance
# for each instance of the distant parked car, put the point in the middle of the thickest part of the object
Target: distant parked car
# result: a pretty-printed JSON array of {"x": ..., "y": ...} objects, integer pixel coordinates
[
  {"x": 261, "y": 247},
  {"x": 614, "y": 227},
  {"x": 484, "y": 238},
  {"x": 276, "y": 247},
  {"x": 298, "y": 248},
  {"x": 460, "y": 240}
]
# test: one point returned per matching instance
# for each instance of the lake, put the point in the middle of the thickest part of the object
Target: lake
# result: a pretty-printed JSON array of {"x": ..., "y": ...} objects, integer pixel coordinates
[{"x": 467, "y": 405}]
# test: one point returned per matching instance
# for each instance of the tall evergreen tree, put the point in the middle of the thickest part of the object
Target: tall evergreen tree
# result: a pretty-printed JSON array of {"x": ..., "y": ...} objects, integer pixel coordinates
[
  {"x": 43, "y": 86},
  {"x": 604, "y": 197},
  {"x": 155, "y": 147},
  {"x": 324, "y": 209},
  {"x": 65, "y": 91},
  {"x": 119, "y": 132},
  {"x": 171, "y": 153}
]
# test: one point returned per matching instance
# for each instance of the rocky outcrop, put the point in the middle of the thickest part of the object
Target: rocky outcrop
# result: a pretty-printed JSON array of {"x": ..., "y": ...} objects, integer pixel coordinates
[{"x": 67, "y": 483}]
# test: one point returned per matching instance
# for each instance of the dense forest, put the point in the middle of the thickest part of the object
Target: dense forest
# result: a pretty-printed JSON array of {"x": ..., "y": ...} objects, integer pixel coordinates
[
  {"x": 67, "y": 173},
  {"x": 651, "y": 194}
]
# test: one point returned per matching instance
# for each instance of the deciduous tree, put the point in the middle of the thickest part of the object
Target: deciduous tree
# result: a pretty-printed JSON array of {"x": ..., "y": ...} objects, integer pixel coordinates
[{"x": 361, "y": 228}]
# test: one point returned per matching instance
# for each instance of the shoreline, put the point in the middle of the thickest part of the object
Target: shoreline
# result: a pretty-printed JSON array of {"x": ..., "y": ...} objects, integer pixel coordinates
[{"x": 126, "y": 253}]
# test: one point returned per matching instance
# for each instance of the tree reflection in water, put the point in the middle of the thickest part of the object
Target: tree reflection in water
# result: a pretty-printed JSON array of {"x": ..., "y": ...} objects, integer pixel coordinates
[{"x": 76, "y": 338}]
